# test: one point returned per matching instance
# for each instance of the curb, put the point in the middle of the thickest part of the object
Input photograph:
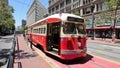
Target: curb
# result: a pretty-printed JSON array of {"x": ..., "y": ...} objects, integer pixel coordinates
[{"x": 104, "y": 42}]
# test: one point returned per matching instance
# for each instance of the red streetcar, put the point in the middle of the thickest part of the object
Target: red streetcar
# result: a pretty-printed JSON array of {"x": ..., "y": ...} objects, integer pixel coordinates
[{"x": 62, "y": 35}]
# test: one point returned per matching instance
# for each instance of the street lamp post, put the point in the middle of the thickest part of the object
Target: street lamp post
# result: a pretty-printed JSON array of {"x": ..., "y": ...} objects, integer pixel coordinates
[{"x": 93, "y": 18}]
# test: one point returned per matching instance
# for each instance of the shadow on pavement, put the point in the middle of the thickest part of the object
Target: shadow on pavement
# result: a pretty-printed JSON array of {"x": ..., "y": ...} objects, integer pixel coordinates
[
  {"x": 6, "y": 40},
  {"x": 80, "y": 60},
  {"x": 21, "y": 54},
  {"x": 4, "y": 55},
  {"x": 74, "y": 61},
  {"x": 117, "y": 41}
]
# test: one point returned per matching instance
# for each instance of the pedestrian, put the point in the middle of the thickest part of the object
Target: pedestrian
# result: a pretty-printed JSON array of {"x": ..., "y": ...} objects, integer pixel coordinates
[
  {"x": 113, "y": 37},
  {"x": 103, "y": 36},
  {"x": 31, "y": 44},
  {"x": 24, "y": 34}
]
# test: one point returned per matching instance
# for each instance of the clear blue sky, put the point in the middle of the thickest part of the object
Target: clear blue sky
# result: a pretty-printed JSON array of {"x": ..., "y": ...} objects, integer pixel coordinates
[{"x": 21, "y": 7}]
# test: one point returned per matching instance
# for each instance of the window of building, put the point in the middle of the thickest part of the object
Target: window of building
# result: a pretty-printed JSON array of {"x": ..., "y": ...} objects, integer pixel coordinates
[
  {"x": 50, "y": 11},
  {"x": 62, "y": 10},
  {"x": 62, "y": 4},
  {"x": 76, "y": 5},
  {"x": 49, "y": 2},
  {"x": 57, "y": 7},
  {"x": 68, "y": 8},
  {"x": 86, "y": 10},
  {"x": 74, "y": 0},
  {"x": 68, "y": 2},
  {"x": 99, "y": 6},
  {"x": 87, "y": 1},
  {"x": 53, "y": 9},
  {"x": 104, "y": 7}
]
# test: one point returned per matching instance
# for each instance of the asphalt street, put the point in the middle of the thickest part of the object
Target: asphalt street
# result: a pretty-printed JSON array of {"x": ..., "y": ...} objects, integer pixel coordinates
[
  {"x": 6, "y": 43},
  {"x": 108, "y": 52}
]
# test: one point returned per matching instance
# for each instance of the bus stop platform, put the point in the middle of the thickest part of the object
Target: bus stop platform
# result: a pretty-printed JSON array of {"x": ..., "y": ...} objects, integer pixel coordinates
[{"x": 25, "y": 57}]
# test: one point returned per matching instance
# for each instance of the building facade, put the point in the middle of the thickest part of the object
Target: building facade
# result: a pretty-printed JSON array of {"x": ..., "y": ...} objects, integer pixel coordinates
[
  {"x": 36, "y": 12},
  {"x": 88, "y": 9},
  {"x": 84, "y": 8},
  {"x": 23, "y": 23}
]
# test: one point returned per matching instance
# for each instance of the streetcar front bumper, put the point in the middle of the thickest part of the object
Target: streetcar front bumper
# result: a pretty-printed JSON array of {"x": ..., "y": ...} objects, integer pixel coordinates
[
  {"x": 72, "y": 54},
  {"x": 74, "y": 51}
]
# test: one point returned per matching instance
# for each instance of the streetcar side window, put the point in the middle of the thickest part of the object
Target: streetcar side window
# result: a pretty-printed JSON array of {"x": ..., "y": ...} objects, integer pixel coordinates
[{"x": 42, "y": 30}]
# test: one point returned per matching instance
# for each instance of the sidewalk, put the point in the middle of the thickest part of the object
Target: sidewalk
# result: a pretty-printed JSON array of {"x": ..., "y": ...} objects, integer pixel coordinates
[
  {"x": 106, "y": 41},
  {"x": 26, "y": 58}
]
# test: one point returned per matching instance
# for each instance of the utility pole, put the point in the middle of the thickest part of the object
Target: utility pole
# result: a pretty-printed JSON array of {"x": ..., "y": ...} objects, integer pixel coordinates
[
  {"x": 93, "y": 18},
  {"x": 93, "y": 32}
]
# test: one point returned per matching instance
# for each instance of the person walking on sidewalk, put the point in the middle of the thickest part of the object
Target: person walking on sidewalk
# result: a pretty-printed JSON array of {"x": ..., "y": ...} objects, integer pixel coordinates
[{"x": 31, "y": 44}]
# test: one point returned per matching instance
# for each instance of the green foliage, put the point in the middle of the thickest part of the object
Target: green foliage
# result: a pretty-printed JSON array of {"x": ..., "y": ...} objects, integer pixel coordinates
[
  {"x": 110, "y": 15},
  {"x": 113, "y": 7},
  {"x": 105, "y": 17},
  {"x": 113, "y": 4},
  {"x": 76, "y": 12},
  {"x": 23, "y": 28},
  {"x": 6, "y": 19}
]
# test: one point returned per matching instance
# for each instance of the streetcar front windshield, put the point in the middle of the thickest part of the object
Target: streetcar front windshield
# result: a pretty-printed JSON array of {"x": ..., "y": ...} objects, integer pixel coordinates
[
  {"x": 80, "y": 29},
  {"x": 72, "y": 28}
]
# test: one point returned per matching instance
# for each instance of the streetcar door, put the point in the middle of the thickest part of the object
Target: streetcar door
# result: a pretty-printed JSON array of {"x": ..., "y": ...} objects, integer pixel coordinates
[{"x": 53, "y": 37}]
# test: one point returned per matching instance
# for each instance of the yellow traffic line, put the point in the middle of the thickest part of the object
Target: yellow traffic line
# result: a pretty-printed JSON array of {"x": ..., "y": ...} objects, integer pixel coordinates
[
  {"x": 106, "y": 59},
  {"x": 49, "y": 62},
  {"x": 100, "y": 51}
]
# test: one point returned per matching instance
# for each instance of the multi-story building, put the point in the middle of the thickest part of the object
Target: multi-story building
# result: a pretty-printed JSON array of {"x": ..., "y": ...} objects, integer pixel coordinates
[
  {"x": 23, "y": 23},
  {"x": 84, "y": 7},
  {"x": 88, "y": 9},
  {"x": 36, "y": 12}
]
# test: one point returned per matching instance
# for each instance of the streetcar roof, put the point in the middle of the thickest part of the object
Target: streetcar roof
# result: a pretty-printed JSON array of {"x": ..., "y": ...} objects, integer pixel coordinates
[
  {"x": 63, "y": 16},
  {"x": 56, "y": 18}
]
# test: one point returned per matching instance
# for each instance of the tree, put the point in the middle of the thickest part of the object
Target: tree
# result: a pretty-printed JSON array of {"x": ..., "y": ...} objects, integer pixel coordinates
[
  {"x": 113, "y": 6},
  {"x": 76, "y": 12},
  {"x": 105, "y": 17},
  {"x": 6, "y": 19},
  {"x": 23, "y": 28}
]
